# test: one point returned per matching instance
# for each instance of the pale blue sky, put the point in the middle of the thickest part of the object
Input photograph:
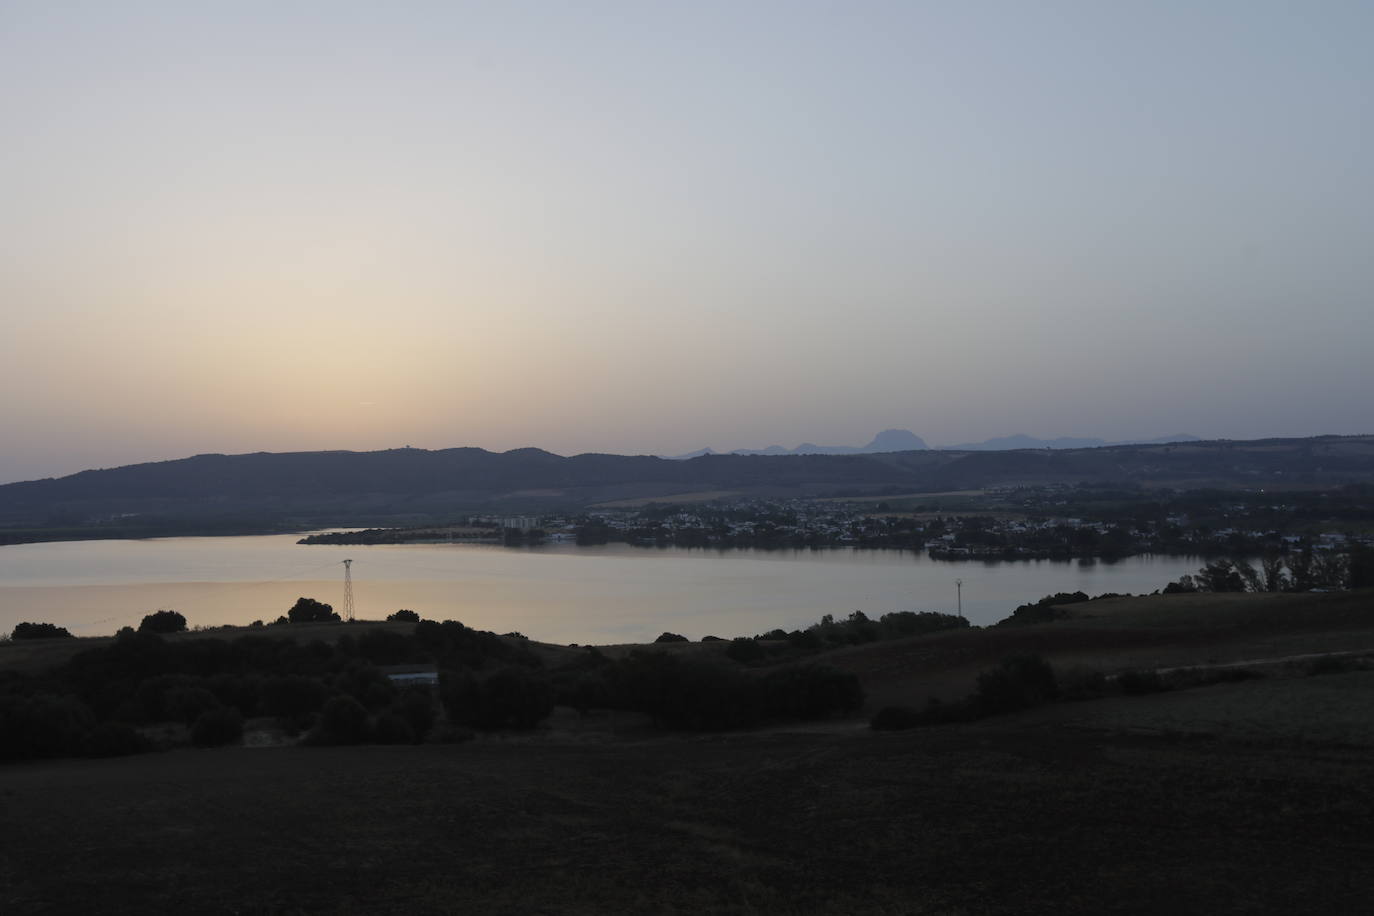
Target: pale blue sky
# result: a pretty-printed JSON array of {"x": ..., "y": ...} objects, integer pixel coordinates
[{"x": 649, "y": 227}]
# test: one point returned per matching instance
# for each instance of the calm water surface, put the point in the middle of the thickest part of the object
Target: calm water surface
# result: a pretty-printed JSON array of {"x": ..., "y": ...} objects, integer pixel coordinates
[{"x": 558, "y": 593}]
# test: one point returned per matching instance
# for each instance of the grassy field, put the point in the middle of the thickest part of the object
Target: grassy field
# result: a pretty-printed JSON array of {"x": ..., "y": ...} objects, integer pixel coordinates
[
  {"x": 1244, "y": 797},
  {"x": 1069, "y": 809},
  {"x": 1161, "y": 631}
]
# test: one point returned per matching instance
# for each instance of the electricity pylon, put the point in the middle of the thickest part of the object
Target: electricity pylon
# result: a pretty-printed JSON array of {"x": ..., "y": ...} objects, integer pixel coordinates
[{"x": 348, "y": 590}]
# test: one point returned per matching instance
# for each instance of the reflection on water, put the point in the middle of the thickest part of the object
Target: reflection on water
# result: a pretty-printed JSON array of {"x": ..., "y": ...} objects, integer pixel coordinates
[{"x": 558, "y": 593}]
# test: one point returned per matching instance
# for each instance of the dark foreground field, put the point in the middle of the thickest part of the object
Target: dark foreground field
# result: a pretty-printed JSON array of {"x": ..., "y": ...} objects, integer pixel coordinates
[{"x": 1068, "y": 809}]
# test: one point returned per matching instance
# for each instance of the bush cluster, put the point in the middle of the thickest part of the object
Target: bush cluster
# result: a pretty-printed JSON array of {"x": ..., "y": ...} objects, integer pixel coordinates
[
  {"x": 94, "y": 704},
  {"x": 705, "y": 692},
  {"x": 512, "y": 696},
  {"x": 1018, "y": 682},
  {"x": 859, "y": 628},
  {"x": 1045, "y": 610},
  {"x": 39, "y": 631}
]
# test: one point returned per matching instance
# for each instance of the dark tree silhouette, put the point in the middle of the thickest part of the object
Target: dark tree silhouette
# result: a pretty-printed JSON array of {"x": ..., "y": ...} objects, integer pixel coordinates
[
  {"x": 163, "y": 622},
  {"x": 39, "y": 631},
  {"x": 308, "y": 610}
]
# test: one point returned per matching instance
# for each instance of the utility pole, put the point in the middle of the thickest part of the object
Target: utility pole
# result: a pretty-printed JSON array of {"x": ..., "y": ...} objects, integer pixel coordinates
[
  {"x": 958, "y": 588},
  {"x": 348, "y": 590}
]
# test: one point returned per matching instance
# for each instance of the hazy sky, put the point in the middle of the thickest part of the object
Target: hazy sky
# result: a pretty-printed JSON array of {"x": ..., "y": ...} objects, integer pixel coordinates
[{"x": 648, "y": 227}]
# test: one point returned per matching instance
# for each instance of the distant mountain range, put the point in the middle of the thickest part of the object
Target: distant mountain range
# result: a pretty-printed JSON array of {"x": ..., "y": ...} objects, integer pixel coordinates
[
  {"x": 904, "y": 440},
  {"x": 1020, "y": 440},
  {"x": 300, "y": 490},
  {"x": 889, "y": 440}
]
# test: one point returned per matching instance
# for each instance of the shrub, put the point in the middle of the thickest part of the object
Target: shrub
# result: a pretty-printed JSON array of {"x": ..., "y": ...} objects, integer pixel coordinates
[
  {"x": 705, "y": 692},
  {"x": 671, "y": 637},
  {"x": 1045, "y": 610},
  {"x": 163, "y": 622},
  {"x": 364, "y": 683},
  {"x": 291, "y": 698},
  {"x": 403, "y": 616},
  {"x": 810, "y": 692},
  {"x": 1135, "y": 683},
  {"x": 217, "y": 727},
  {"x": 188, "y": 703},
  {"x": 588, "y": 690},
  {"x": 42, "y": 726},
  {"x": 911, "y": 623},
  {"x": 392, "y": 729},
  {"x": 744, "y": 650},
  {"x": 1082, "y": 684},
  {"x": 452, "y": 645},
  {"x": 343, "y": 720},
  {"x": 1019, "y": 682},
  {"x": 39, "y": 631}
]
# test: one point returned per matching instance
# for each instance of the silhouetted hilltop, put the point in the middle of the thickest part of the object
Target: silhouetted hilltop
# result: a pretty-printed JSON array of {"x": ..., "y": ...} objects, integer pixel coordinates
[{"x": 265, "y": 490}]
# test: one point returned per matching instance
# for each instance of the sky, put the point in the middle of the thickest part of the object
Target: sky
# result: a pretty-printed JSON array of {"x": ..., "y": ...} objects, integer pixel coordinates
[{"x": 646, "y": 228}]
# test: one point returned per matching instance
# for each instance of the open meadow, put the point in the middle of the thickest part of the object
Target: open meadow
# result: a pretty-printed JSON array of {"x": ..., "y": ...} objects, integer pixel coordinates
[
  {"x": 1056, "y": 811},
  {"x": 1243, "y": 796}
]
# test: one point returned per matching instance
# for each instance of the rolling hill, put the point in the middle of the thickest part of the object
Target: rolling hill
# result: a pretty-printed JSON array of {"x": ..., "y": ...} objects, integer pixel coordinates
[{"x": 262, "y": 491}]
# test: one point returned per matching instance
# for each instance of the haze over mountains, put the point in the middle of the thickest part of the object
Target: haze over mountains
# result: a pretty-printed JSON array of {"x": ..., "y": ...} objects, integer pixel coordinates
[{"x": 904, "y": 440}]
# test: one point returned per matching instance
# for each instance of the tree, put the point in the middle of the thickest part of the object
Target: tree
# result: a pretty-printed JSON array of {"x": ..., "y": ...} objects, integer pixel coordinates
[
  {"x": 403, "y": 616},
  {"x": 308, "y": 610},
  {"x": 39, "y": 631},
  {"x": 1275, "y": 579},
  {"x": 1252, "y": 579},
  {"x": 1220, "y": 576},
  {"x": 163, "y": 622},
  {"x": 1185, "y": 585}
]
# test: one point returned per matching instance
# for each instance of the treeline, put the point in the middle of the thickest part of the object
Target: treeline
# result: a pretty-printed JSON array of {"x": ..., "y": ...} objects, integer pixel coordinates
[
  {"x": 470, "y": 531},
  {"x": 1048, "y": 608},
  {"x": 108, "y": 700},
  {"x": 1297, "y": 571},
  {"x": 102, "y": 701},
  {"x": 705, "y": 692},
  {"x": 859, "y": 628}
]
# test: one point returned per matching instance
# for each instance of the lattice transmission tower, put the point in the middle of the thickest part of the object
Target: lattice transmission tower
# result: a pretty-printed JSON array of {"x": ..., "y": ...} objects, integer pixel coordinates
[{"x": 348, "y": 590}]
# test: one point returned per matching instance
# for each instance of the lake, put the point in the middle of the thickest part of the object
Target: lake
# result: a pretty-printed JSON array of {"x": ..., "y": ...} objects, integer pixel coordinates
[{"x": 557, "y": 593}]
